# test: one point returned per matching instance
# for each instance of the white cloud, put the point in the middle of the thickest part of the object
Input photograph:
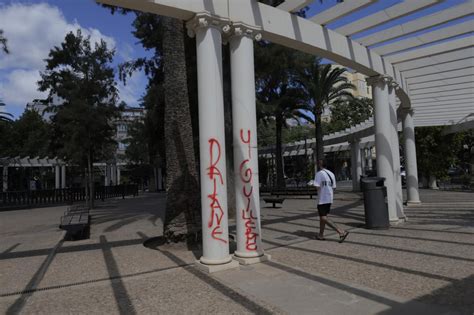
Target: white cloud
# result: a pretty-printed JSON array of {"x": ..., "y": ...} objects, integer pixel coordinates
[
  {"x": 19, "y": 87},
  {"x": 32, "y": 31},
  {"x": 132, "y": 91}
]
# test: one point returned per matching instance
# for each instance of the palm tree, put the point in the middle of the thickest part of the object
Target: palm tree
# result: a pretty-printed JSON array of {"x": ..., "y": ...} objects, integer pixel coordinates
[
  {"x": 182, "y": 198},
  {"x": 3, "y": 42},
  {"x": 277, "y": 97},
  {"x": 323, "y": 84},
  {"x": 4, "y": 116}
]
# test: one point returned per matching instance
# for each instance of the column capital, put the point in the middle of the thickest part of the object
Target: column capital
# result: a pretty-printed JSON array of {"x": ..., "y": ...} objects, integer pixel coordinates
[
  {"x": 204, "y": 20},
  {"x": 242, "y": 29},
  {"x": 379, "y": 79}
]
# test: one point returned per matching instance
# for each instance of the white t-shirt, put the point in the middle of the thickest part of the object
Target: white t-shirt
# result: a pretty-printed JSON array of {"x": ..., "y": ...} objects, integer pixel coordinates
[{"x": 323, "y": 180}]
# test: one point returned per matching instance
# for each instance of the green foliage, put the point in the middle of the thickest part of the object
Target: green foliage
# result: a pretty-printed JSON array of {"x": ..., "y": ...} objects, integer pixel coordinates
[
  {"x": 83, "y": 78},
  {"x": 323, "y": 85},
  {"x": 31, "y": 135},
  {"x": 436, "y": 152},
  {"x": 346, "y": 113}
]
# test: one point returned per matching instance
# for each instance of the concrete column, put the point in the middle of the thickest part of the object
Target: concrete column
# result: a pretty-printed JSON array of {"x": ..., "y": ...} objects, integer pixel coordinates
[
  {"x": 397, "y": 180},
  {"x": 118, "y": 175},
  {"x": 63, "y": 176},
  {"x": 5, "y": 178},
  {"x": 369, "y": 158},
  {"x": 106, "y": 175},
  {"x": 356, "y": 164},
  {"x": 113, "y": 174},
  {"x": 244, "y": 122},
  {"x": 215, "y": 235},
  {"x": 411, "y": 167},
  {"x": 57, "y": 175},
  {"x": 383, "y": 137}
]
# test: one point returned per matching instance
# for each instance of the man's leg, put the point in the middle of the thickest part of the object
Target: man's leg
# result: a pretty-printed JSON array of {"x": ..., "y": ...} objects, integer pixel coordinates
[
  {"x": 325, "y": 220},
  {"x": 322, "y": 225}
]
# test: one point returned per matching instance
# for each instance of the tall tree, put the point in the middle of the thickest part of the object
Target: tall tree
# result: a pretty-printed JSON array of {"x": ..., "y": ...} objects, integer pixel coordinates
[
  {"x": 81, "y": 76},
  {"x": 278, "y": 98},
  {"x": 3, "y": 42},
  {"x": 346, "y": 113},
  {"x": 31, "y": 135},
  {"x": 323, "y": 84},
  {"x": 182, "y": 200}
]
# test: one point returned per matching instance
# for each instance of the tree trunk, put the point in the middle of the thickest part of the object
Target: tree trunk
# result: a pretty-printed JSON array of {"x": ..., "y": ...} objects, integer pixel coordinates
[
  {"x": 279, "y": 153},
  {"x": 319, "y": 138},
  {"x": 86, "y": 186},
  {"x": 183, "y": 218}
]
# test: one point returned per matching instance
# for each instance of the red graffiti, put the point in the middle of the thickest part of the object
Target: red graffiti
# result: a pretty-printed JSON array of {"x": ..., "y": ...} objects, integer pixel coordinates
[
  {"x": 214, "y": 174},
  {"x": 246, "y": 174},
  {"x": 246, "y": 141}
]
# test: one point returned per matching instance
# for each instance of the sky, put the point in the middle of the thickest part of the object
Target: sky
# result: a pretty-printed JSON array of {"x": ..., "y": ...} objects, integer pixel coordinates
[{"x": 33, "y": 27}]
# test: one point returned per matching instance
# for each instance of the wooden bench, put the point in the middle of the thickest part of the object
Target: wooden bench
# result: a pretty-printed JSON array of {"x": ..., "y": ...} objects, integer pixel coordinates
[
  {"x": 295, "y": 192},
  {"x": 274, "y": 201},
  {"x": 75, "y": 222}
]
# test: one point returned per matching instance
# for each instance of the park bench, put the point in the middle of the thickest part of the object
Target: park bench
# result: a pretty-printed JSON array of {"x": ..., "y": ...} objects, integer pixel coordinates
[
  {"x": 274, "y": 200},
  {"x": 75, "y": 222},
  {"x": 300, "y": 191}
]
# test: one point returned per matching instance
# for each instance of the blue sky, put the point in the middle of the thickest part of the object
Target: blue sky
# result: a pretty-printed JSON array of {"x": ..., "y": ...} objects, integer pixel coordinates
[{"x": 34, "y": 26}]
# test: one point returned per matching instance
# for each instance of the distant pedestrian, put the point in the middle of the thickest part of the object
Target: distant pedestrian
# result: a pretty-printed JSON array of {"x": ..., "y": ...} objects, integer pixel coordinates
[{"x": 325, "y": 182}]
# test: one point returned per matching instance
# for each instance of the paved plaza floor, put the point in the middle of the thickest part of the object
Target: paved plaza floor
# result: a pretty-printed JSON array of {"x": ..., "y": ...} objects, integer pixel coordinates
[{"x": 423, "y": 266}]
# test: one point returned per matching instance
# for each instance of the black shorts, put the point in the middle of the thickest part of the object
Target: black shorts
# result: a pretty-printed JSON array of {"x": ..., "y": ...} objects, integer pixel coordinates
[{"x": 324, "y": 209}]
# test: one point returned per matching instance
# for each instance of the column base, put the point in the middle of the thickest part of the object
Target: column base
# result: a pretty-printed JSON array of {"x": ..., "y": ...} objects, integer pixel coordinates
[
  {"x": 216, "y": 268},
  {"x": 395, "y": 222},
  {"x": 252, "y": 260},
  {"x": 413, "y": 203}
]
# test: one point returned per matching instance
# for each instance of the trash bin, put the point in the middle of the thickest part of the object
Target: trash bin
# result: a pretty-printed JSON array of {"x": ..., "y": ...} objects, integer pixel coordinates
[{"x": 375, "y": 203}]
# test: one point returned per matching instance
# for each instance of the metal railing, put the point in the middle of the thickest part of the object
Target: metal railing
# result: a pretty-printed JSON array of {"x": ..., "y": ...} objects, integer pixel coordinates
[{"x": 35, "y": 198}]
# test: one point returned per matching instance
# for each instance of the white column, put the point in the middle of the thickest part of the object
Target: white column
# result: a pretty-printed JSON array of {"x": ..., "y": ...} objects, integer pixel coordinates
[
  {"x": 63, "y": 176},
  {"x": 411, "y": 167},
  {"x": 113, "y": 174},
  {"x": 244, "y": 121},
  {"x": 383, "y": 137},
  {"x": 356, "y": 164},
  {"x": 369, "y": 158},
  {"x": 215, "y": 233},
  {"x": 118, "y": 175},
  {"x": 57, "y": 181},
  {"x": 397, "y": 180},
  {"x": 106, "y": 175},
  {"x": 5, "y": 178}
]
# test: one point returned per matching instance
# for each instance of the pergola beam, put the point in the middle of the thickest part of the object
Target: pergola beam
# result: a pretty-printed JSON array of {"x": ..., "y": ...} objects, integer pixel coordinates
[
  {"x": 442, "y": 48},
  {"x": 384, "y": 16},
  {"x": 448, "y": 88},
  {"x": 419, "y": 24},
  {"x": 340, "y": 10},
  {"x": 440, "y": 94},
  {"x": 294, "y": 5},
  {"x": 461, "y": 54},
  {"x": 426, "y": 38},
  {"x": 453, "y": 81},
  {"x": 439, "y": 68},
  {"x": 443, "y": 75}
]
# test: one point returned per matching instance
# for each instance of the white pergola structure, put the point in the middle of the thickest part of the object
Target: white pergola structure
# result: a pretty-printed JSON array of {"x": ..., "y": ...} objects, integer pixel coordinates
[
  {"x": 431, "y": 74},
  {"x": 58, "y": 164}
]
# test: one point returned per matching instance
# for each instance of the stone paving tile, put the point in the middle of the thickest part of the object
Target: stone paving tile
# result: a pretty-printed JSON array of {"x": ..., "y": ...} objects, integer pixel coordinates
[{"x": 429, "y": 258}]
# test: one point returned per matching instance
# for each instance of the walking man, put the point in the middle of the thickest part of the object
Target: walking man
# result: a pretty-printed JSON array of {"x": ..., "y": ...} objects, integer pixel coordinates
[{"x": 325, "y": 183}]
